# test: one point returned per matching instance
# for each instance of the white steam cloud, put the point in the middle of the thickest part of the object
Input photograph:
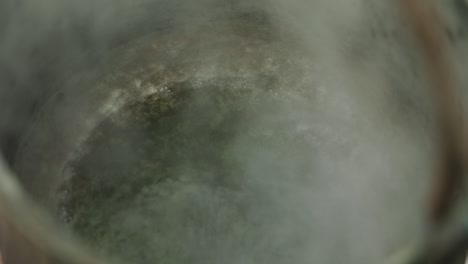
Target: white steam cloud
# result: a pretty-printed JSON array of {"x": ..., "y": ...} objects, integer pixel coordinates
[{"x": 369, "y": 156}]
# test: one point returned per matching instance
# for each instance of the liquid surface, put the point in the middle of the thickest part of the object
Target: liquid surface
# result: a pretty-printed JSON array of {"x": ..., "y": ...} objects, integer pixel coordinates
[{"x": 188, "y": 176}]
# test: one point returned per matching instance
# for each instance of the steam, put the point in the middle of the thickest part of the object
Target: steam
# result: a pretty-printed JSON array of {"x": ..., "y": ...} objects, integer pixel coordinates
[{"x": 352, "y": 193}]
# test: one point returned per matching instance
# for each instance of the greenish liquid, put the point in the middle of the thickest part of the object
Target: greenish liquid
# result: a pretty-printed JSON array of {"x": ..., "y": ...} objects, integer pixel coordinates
[{"x": 174, "y": 178}]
